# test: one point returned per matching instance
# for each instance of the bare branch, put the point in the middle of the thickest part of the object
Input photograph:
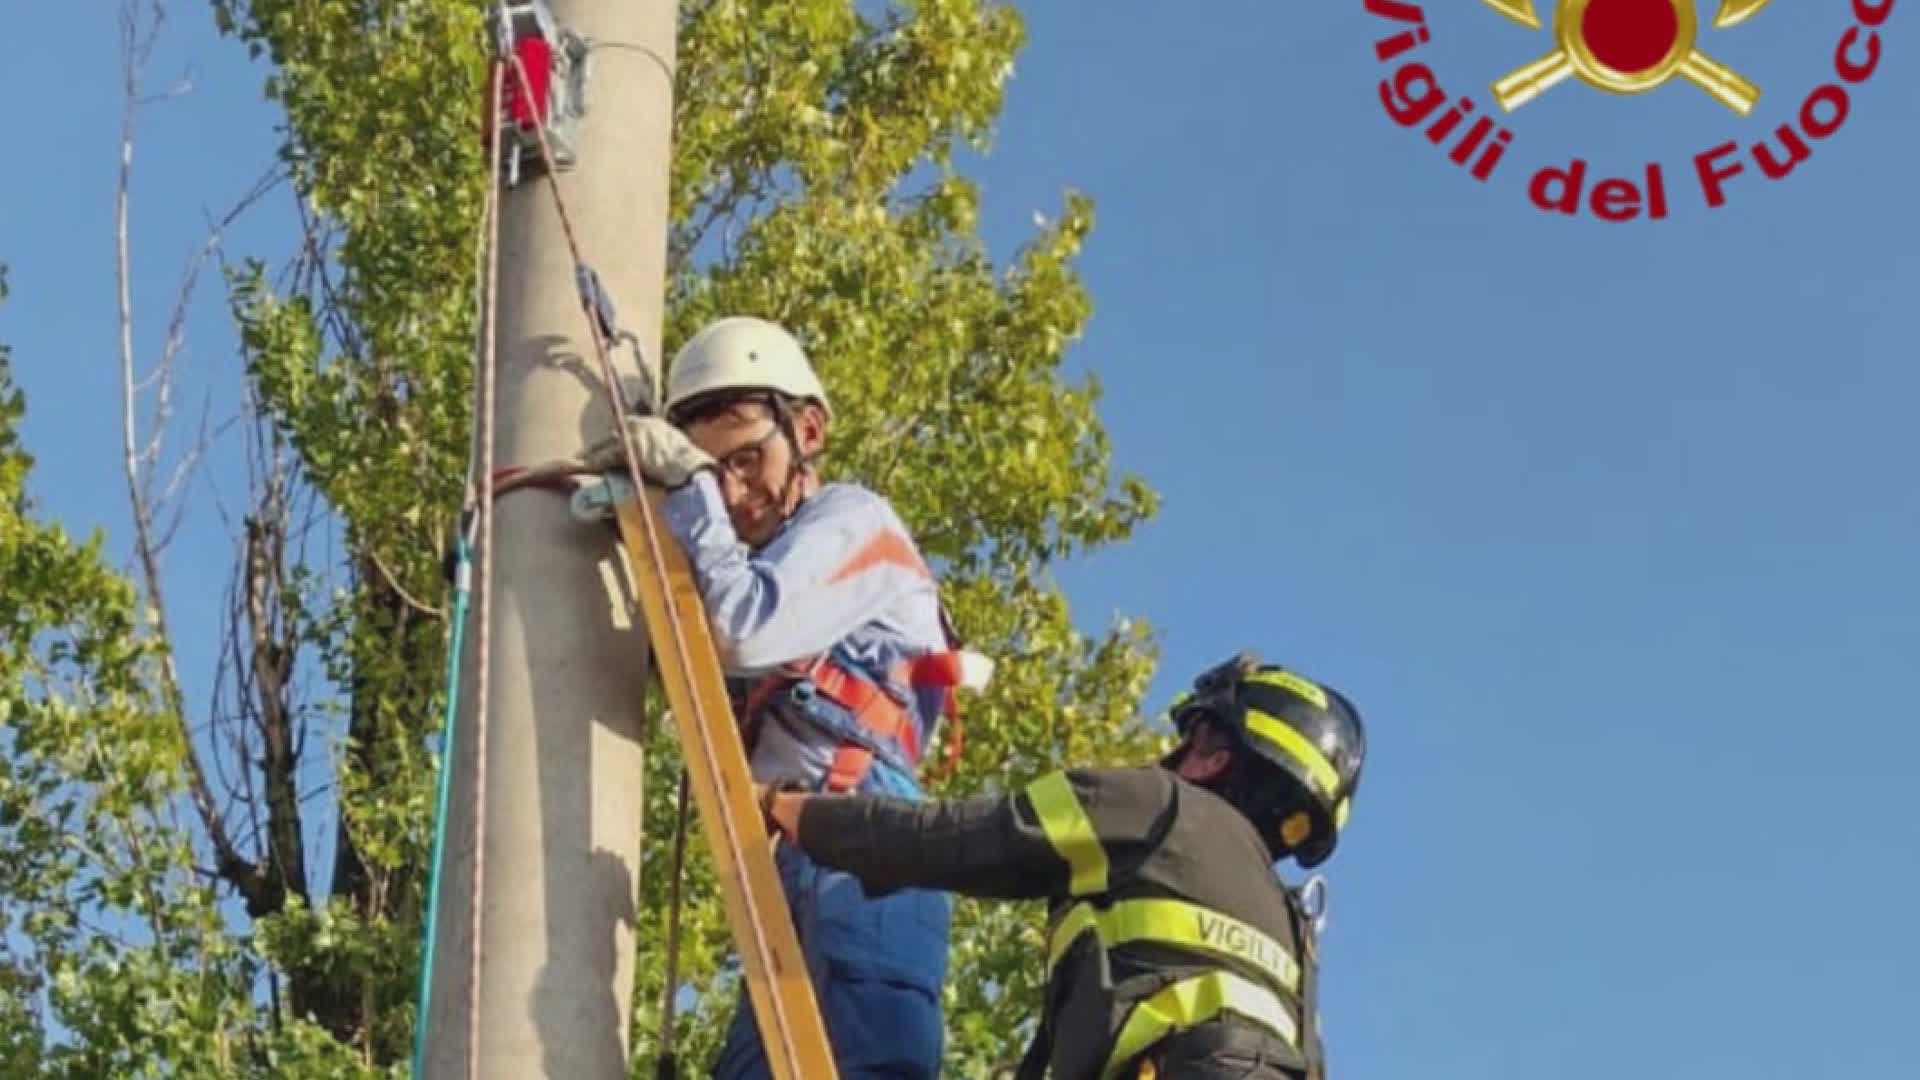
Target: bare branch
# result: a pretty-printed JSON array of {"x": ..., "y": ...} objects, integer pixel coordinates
[
  {"x": 183, "y": 469},
  {"x": 230, "y": 726},
  {"x": 270, "y": 645},
  {"x": 210, "y": 249},
  {"x": 163, "y": 374},
  {"x": 245, "y": 717},
  {"x": 164, "y": 537},
  {"x": 394, "y": 584},
  {"x": 255, "y": 448},
  {"x": 332, "y": 307},
  {"x": 690, "y": 237},
  {"x": 136, "y": 47},
  {"x": 181, "y": 87}
]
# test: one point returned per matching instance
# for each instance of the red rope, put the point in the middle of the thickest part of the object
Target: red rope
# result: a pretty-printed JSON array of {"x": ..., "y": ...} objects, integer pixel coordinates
[{"x": 484, "y": 419}]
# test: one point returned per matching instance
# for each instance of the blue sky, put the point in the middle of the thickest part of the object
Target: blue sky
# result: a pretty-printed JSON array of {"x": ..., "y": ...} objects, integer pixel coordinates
[{"x": 1606, "y": 526}]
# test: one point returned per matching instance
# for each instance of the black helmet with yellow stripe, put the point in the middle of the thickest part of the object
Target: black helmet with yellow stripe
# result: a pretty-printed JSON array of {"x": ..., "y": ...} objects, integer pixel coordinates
[{"x": 1309, "y": 731}]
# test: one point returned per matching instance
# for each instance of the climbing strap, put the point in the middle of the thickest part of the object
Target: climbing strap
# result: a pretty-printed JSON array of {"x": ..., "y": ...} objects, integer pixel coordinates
[
  {"x": 879, "y": 722},
  {"x": 1191, "y": 1002},
  {"x": 1180, "y": 925},
  {"x": 879, "y": 726}
]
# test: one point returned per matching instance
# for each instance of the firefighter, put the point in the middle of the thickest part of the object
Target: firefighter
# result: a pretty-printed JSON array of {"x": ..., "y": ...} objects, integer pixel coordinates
[
  {"x": 1174, "y": 949},
  {"x": 830, "y": 628}
]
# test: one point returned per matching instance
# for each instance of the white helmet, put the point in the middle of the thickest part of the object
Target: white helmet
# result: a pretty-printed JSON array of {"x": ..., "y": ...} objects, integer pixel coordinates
[{"x": 742, "y": 353}]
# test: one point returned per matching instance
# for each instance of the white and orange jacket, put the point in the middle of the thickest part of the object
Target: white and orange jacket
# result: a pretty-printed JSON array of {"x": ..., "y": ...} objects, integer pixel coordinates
[{"x": 839, "y": 604}]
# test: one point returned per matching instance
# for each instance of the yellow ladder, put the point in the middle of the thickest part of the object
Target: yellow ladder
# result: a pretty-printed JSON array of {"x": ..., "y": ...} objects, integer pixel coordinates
[{"x": 688, "y": 667}]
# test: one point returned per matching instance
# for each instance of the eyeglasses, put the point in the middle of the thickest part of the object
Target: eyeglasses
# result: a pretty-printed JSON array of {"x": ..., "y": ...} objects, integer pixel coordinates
[{"x": 744, "y": 462}]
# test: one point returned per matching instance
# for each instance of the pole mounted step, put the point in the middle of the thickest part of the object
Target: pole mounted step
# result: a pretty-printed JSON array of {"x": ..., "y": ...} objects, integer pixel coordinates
[{"x": 791, "y": 1029}]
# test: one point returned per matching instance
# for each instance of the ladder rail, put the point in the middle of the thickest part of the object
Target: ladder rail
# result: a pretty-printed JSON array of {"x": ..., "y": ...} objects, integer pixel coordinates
[{"x": 688, "y": 669}]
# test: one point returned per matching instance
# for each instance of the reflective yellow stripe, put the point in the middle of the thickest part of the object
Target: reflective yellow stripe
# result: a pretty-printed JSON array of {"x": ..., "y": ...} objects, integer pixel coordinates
[
  {"x": 1194, "y": 1001},
  {"x": 1181, "y": 925},
  {"x": 1287, "y": 680},
  {"x": 1070, "y": 832},
  {"x": 1296, "y": 746},
  {"x": 1079, "y": 919}
]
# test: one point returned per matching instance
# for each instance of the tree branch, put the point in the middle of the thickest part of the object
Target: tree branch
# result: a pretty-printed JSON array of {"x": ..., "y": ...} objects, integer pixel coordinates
[
  {"x": 272, "y": 663},
  {"x": 394, "y": 583},
  {"x": 136, "y": 45}
]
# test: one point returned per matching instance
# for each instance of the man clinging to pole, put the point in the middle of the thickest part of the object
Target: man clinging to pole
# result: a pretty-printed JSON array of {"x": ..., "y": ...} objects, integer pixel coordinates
[{"x": 830, "y": 628}]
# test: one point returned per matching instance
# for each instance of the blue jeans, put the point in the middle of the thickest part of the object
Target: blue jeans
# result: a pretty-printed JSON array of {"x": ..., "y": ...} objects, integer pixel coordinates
[{"x": 878, "y": 966}]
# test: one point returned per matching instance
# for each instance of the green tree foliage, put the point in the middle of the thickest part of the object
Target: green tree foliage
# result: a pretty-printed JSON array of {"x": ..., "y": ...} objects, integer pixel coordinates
[
  {"x": 814, "y": 182},
  {"x": 117, "y": 957}
]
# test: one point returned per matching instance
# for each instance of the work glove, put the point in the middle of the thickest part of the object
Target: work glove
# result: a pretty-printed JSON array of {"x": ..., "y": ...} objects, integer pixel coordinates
[{"x": 666, "y": 456}]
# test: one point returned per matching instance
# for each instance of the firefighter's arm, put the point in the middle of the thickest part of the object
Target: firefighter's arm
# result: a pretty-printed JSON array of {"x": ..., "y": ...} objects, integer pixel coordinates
[
  {"x": 1068, "y": 832},
  {"x": 835, "y": 567}
]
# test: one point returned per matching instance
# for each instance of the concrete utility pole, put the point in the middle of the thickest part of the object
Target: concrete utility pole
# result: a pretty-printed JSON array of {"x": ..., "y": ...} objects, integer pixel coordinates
[{"x": 567, "y": 668}]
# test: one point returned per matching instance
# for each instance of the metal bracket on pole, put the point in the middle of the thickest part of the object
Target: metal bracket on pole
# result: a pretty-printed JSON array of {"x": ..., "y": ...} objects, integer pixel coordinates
[{"x": 558, "y": 67}]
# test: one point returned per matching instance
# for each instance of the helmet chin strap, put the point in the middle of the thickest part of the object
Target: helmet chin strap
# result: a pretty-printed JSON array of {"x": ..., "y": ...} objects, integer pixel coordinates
[
  {"x": 788, "y": 497},
  {"x": 798, "y": 465},
  {"x": 1253, "y": 787}
]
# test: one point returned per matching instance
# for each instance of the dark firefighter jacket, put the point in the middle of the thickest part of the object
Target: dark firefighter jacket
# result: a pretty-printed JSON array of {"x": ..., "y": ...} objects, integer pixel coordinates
[{"x": 1164, "y": 912}]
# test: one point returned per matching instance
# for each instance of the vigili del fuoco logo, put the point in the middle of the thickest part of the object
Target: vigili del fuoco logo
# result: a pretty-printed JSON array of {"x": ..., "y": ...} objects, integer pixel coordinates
[{"x": 1620, "y": 47}]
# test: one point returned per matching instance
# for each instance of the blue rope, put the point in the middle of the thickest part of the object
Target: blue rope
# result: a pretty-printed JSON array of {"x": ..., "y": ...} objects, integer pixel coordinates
[{"x": 462, "y": 583}]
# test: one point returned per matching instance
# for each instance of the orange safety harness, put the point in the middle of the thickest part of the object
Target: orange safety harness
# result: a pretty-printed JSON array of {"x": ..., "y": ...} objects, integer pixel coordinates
[{"x": 879, "y": 719}]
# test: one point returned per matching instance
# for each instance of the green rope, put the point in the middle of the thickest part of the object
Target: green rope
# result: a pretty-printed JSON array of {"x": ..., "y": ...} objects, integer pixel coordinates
[{"x": 463, "y": 581}]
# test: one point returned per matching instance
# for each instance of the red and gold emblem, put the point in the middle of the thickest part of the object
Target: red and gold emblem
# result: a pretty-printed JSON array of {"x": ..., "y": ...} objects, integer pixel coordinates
[{"x": 1626, "y": 47}]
